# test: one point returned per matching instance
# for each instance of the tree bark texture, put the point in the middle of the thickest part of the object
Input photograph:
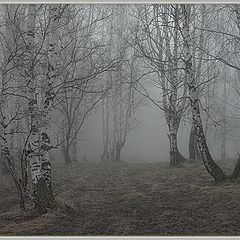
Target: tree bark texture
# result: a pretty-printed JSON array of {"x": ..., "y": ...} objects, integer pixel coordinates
[{"x": 214, "y": 170}]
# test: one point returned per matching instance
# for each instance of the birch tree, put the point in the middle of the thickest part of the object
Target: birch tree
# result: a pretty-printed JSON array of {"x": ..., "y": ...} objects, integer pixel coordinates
[
  {"x": 11, "y": 110},
  {"x": 33, "y": 108},
  {"x": 159, "y": 44},
  {"x": 53, "y": 71},
  {"x": 215, "y": 171},
  {"x": 223, "y": 55},
  {"x": 119, "y": 104},
  {"x": 84, "y": 64}
]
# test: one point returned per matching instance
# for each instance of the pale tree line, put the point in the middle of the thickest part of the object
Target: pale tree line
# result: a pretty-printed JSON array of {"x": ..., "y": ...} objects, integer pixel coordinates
[{"x": 120, "y": 102}]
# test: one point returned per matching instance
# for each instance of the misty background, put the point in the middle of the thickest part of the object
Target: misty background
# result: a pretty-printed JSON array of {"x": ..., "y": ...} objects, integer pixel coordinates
[{"x": 148, "y": 141}]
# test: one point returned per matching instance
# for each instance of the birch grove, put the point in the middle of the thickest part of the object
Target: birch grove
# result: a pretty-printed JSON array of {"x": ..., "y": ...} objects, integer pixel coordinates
[
  {"x": 120, "y": 102},
  {"x": 165, "y": 63},
  {"x": 84, "y": 64},
  {"x": 62, "y": 65}
]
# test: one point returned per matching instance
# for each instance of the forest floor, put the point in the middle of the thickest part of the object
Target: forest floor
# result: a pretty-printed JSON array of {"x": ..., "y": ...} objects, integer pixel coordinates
[{"x": 128, "y": 199}]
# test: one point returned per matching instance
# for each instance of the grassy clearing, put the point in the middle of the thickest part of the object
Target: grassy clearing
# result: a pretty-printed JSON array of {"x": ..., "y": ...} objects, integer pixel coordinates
[{"x": 129, "y": 199}]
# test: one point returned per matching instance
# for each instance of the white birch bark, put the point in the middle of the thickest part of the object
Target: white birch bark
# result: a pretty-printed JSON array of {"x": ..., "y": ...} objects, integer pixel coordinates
[
  {"x": 33, "y": 108},
  {"x": 171, "y": 110},
  {"x": 52, "y": 74},
  {"x": 209, "y": 164},
  {"x": 197, "y": 66}
]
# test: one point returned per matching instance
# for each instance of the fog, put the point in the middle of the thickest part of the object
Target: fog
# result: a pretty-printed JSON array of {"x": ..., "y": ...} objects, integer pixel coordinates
[
  {"x": 119, "y": 119},
  {"x": 148, "y": 141}
]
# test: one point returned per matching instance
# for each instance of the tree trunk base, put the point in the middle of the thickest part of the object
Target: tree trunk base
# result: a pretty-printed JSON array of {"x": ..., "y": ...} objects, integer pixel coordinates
[
  {"x": 180, "y": 157},
  {"x": 44, "y": 197},
  {"x": 68, "y": 160},
  {"x": 236, "y": 171},
  {"x": 176, "y": 159}
]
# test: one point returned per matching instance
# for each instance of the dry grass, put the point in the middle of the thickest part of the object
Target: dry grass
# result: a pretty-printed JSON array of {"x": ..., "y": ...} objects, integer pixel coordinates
[{"x": 129, "y": 199}]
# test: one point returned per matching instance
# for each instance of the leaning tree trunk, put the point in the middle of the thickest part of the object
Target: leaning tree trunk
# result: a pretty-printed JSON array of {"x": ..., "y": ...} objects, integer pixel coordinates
[
  {"x": 180, "y": 157},
  {"x": 236, "y": 172},
  {"x": 193, "y": 146},
  {"x": 176, "y": 157},
  {"x": 192, "y": 153},
  {"x": 214, "y": 170}
]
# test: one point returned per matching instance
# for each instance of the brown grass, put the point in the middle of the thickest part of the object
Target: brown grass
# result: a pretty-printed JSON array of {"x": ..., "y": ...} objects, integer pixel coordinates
[{"x": 128, "y": 199}]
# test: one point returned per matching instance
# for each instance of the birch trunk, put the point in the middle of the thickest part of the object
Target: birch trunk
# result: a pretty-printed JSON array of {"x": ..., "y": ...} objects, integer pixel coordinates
[
  {"x": 33, "y": 109},
  {"x": 74, "y": 150},
  {"x": 236, "y": 172},
  {"x": 67, "y": 157},
  {"x": 197, "y": 66},
  {"x": 45, "y": 184},
  {"x": 173, "y": 137},
  {"x": 208, "y": 162},
  {"x": 105, "y": 119},
  {"x": 108, "y": 151},
  {"x": 193, "y": 146},
  {"x": 171, "y": 111},
  {"x": 224, "y": 121},
  {"x": 11, "y": 147}
]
